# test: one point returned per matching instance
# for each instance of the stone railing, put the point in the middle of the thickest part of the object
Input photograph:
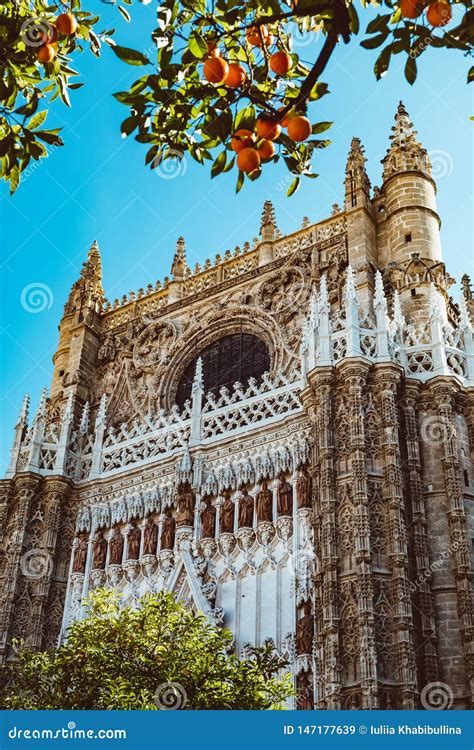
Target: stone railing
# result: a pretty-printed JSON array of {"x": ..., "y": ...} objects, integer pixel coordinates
[{"x": 424, "y": 351}]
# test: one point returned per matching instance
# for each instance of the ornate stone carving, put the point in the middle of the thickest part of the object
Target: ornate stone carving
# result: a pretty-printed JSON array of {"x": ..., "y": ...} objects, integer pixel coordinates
[
  {"x": 80, "y": 555},
  {"x": 264, "y": 504}
]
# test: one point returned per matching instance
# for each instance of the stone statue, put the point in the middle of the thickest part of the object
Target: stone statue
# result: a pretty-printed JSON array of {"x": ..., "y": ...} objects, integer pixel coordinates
[
  {"x": 226, "y": 525},
  {"x": 264, "y": 504},
  {"x": 185, "y": 501},
  {"x": 116, "y": 547},
  {"x": 208, "y": 520},
  {"x": 99, "y": 551},
  {"x": 305, "y": 692},
  {"x": 304, "y": 485},
  {"x": 167, "y": 532},
  {"x": 134, "y": 536},
  {"x": 246, "y": 511},
  {"x": 284, "y": 497},
  {"x": 80, "y": 556},
  {"x": 304, "y": 631},
  {"x": 150, "y": 537}
]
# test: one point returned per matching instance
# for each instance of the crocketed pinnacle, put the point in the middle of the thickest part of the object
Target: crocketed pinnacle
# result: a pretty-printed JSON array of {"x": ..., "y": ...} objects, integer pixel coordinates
[{"x": 405, "y": 153}]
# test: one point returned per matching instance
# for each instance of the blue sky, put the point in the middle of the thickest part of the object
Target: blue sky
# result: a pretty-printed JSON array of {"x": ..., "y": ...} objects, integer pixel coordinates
[{"x": 97, "y": 187}]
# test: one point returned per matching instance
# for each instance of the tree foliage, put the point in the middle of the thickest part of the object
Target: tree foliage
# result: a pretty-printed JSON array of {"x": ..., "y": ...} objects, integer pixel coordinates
[
  {"x": 173, "y": 109},
  {"x": 159, "y": 656}
]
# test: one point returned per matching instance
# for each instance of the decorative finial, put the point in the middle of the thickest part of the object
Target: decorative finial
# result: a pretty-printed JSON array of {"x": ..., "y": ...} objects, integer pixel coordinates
[
  {"x": 101, "y": 412},
  {"x": 42, "y": 406},
  {"x": 405, "y": 152},
  {"x": 356, "y": 175},
  {"x": 268, "y": 222},
  {"x": 350, "y": 292},
  {"x": 464, "y": 317},
  {"x": 84, "y": 424},
  {"x": 323, "y": 293},
  {"x": 380, "y": 298},
  {"x": 398, "y": 316},
  {"x": 186, "y": 465},
  {"x": 435, "y": 308},
  {"x": 198, "y": 382},
  {"x": 68, "y": 412},
  {"x": 466, "y": 287},
  {"x": 24, "y": 411},
  {"x": 179, "y": 265}
]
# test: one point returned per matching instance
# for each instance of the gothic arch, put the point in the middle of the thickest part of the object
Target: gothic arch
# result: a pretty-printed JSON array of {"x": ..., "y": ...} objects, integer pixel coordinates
[{"x": 216, "y": 324}]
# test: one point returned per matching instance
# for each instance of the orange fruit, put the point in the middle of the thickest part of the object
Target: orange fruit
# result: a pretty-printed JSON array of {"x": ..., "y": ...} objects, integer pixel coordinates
[
  {"x": 212, "y": 48},
  {"x": 50, "y": 36},
  {"x": 281, "y": 63},
  {"x": 266, "y": 150},
  {"x": 242, "y": 139},
  {"x": 248, "y": 160},
  {"x": 46, "y": 53},
  {"x": 236, "y": 76},
  {"x": 439, "y": 13},
  {"x": 299, "y": 128},
  {"x": 285, "y": 119},
  {"x": 255, "y": 34},
  {"x": 215, "y": 69},
  {"x": 268, "y": 129},
  {"x": 268, "y": 40},
  {"x": 410, "y": 8},
  {"x": 66, "y": 24}
]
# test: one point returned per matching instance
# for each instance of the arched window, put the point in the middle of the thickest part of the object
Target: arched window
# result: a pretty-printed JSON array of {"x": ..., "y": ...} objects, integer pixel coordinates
[{"x": 229, "y": 359}]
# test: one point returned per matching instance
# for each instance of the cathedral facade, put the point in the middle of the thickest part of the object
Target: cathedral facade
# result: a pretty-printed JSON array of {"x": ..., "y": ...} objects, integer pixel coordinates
[{"x": 284, "y": 438}]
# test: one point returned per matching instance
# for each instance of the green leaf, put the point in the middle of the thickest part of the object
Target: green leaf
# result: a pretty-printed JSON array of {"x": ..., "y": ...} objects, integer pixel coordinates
[
  {"x": 14, "y": 179},
  {"x": 37, "y": 120},
  {"x": 374, "y": 41},
  {"x": 245, "y": 119},
  {"x": 240, "y": 182},
  {"x": 197, "y": 45},
  {"x": 293, "y": 187},
  {"x": 470, "y": 75},
  {"x": 219, "y": 164},
  {"x": 124, "y": 12},
  {"x": 130, "y": 56},
  {"x": 320, "y": 127},
  {"x": 410, "y": 70},
  {"x": 129, "y": 125}
]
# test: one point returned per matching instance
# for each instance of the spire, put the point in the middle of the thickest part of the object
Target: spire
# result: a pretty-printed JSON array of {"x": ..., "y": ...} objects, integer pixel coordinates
[
  {"x": 466, "y": 287},
  {"x": 405, "y": 153},
  {"x": 398, "y": 316},
  {"x": 357, "y": 183},
  {"x": 24, "y": 411},
  {"x": 179, "y": 265},
  {"x": 87, "y": 291},
  {"x": 198, "y": 383},
  {"x": 68, "y": 412},
  {"x": 380, "y": 300},
  {"x": 349, "y": 293},
  {"x": 323, "y": 293},
  {"x": 84, "y": 424},
  {"x": 101, "y": 412},
  {"x": 464, "y": 317},
  {"x": 43, "y": 402},
  {"x": 268, "y": 223}
]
